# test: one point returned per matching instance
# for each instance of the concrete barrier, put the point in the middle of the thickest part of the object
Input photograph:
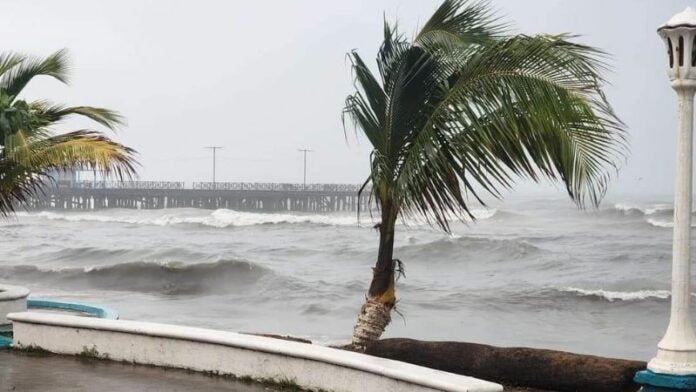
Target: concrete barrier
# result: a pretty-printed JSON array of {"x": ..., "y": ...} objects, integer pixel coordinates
[
  {"x": 309, "y": 366},
  {"x": 78, "y": 308},
  {"x": 12, "y": 299}
]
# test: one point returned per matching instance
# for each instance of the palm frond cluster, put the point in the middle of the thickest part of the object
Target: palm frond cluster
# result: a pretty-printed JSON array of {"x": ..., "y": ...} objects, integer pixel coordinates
[
  {"x": 463, "y": 109},
  {"x": 30, "y": 149}
]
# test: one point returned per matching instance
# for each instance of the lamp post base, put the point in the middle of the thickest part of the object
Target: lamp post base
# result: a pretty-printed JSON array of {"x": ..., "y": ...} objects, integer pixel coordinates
[
  {"x": 656, "y": 382},
  {"x": 676, "y": 362}
]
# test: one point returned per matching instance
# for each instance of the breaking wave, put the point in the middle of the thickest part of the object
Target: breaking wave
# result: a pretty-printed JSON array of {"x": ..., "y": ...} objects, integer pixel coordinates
[
  {"x": 153, "y": 277},
  {"x": 657, "y": 215},
  {"x": 612, "y": 296},
  {"x": 471, "y": 248},
  {"x": 220, "y": 218},
  {"x": 654, "y": 209},
  {"x": 660, "y": 223},
  {"x": 664, "y": 223},
  {"x": 91, "y": 253}
]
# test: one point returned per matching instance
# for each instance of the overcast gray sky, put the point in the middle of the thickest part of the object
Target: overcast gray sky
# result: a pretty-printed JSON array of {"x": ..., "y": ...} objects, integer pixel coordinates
[{"x": 264, "y": 78}]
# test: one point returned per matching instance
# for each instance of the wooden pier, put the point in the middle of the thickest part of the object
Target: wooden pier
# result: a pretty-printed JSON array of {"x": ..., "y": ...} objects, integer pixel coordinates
[{"x": 235, "y": 196}]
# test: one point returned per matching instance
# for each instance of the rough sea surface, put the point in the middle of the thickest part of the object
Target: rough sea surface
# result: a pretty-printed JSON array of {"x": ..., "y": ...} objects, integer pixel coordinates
[{"x": 534, "y": 273}]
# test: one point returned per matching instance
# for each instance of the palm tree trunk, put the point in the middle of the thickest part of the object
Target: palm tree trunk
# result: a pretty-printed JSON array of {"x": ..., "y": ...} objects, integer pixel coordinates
[{"x": 375, "y": 313}]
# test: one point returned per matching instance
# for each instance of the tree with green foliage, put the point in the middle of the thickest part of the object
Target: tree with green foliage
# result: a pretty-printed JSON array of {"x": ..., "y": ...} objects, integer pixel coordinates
[
  {"x": 462, "y": 110},
  {"x": 31, "y": 150}
]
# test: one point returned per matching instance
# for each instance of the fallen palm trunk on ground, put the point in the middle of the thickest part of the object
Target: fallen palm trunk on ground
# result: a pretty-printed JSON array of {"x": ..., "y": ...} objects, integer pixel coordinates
[{"x": 526, "y": 367}]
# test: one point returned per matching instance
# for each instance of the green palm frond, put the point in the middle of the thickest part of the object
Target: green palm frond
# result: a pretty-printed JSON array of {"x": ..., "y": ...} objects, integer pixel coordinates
[
  {"x": 453, "y": 119},
  {"x": 14, "y": 79},
  {"x": 30, "y": 151},
  {"x": 9, "y": 61},
  {"x": 53, "y": 113},
  {"x": 367, "y": 106},
  {"x": 83, "y": 149},
  {"x": 17, "y": 183},
  {"x": 459, "y": 23},
  {"x": 26, "y": 163}
]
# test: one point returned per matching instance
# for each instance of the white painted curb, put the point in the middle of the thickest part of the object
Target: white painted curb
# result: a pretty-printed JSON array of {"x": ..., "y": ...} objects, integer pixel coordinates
[
  {"x": 310, "y": 366},
  {"x": 12, "y": 299}
]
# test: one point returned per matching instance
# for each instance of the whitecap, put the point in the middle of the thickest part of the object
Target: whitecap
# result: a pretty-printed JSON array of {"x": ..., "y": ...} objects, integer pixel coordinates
[
  {"x": 659, "y": 223},
  {"x": 218, "y": 218},
  {"x": 645, "y": 210},
  {"x": 619, "y": 295},
  {"x": 222, "y": 218}
]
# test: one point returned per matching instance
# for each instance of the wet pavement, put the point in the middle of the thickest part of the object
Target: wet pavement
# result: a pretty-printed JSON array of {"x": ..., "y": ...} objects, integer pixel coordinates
[{"x": 39, "y": 372}]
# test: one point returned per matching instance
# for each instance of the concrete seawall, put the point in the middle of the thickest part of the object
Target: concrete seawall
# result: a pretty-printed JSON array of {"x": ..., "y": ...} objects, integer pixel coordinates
[
  {"x": 12, "y": 299},
  {"x": 309, "y": 366}
]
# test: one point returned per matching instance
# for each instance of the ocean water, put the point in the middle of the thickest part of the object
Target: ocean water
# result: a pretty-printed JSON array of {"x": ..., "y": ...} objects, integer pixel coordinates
[{"x": 534, "y": 273}]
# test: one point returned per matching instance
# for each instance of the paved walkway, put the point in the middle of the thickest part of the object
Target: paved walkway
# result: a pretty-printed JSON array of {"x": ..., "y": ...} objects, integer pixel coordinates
[
  {"x": 28, "y": 372},
  {"x": 38, "y": 372}
]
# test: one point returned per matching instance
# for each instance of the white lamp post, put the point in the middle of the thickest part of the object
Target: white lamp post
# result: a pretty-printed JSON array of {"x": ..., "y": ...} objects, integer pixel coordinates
[{"x": 676, "y": 354}]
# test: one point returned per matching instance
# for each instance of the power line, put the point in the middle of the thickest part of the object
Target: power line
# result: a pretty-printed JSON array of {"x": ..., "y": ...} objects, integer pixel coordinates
[
  {"x": 304, "y": 178},
  {"x": 214, "y": 148}
]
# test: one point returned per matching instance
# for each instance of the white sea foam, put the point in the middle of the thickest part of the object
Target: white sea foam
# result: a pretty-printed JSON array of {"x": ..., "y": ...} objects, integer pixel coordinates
[
  {"x": 655, "y": 214},
  {"x": 645, "y": 210},
  {"x": 663, "y": 223},
  {"x": 219, "y": 218},
  {"x": 660, "y": 223},
  {"x": 620, "y": 295},
  {"x": 484, "y": 214}
]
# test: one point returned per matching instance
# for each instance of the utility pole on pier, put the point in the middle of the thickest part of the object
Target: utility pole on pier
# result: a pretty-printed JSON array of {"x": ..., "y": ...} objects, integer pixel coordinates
[
  {"x": 214, "y": 148},
  {"x": 304, "y": 178}
]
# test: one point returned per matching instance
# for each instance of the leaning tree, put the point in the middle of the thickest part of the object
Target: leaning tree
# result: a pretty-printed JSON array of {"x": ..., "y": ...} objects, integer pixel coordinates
[{"x": 462, "y": 110}]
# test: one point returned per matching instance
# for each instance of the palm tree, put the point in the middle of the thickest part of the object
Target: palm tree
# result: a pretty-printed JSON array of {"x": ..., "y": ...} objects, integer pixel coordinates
[
  {"x": 29, "y": 148},
  {"x": 464, "y": 109}
]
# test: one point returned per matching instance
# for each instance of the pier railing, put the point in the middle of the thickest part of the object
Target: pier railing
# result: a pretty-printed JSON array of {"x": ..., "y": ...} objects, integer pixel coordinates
[
  {"x": 207, "y": 186},
  {"x": 126, "y": 185},
  {"x": 279, "y": 187}
]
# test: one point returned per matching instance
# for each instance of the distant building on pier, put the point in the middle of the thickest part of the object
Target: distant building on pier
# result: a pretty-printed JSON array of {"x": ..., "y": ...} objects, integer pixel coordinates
[{"x": 68, "y": 178}]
